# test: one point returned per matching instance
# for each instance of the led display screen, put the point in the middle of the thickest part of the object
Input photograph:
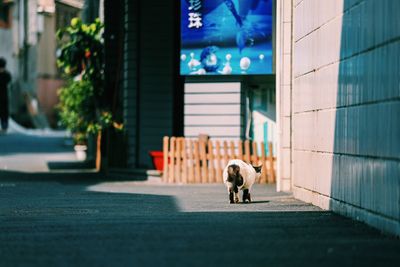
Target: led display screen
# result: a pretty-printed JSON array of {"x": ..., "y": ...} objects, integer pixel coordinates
[{"x": 226, "y": 37}]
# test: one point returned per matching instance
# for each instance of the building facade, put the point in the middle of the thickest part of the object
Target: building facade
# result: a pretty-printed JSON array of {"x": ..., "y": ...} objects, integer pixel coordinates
[
  {"x": 336, "y": 88},
  {"x": 338, "y": 97},
  {"x": 28, "y": 42},
  {"x": 156, "y": 101},
  {"x": 18, "y": 35},
  {"x": 52, "y": 15}
]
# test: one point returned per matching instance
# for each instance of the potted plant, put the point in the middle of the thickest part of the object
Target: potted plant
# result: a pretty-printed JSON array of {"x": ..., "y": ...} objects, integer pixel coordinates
[
  {"x": 76, "y": 112},
  {"x": 157, "y": 158},
  {"x": 80, "y": 146},
  {"x": 83, "y": 109}
]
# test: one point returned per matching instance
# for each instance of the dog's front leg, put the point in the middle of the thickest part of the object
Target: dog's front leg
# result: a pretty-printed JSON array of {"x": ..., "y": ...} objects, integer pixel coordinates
[
  {"x": 231, "y": 201},
  {"x": 236, "y": 197},
  {"x": 236, "y": 194},
  {"x": 233, "y": 195},
  {"x": 246, "y": 195}
]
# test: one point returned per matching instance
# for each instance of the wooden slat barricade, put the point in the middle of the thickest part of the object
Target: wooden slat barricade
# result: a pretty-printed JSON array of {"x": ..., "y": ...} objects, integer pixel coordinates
[{"x": 202, "y": 161}]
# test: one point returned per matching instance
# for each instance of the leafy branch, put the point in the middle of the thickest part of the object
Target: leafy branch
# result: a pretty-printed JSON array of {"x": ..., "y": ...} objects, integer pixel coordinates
[{"x": 81, "y": 58}]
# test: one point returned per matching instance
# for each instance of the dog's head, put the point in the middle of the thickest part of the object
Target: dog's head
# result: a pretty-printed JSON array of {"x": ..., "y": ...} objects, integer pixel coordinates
[{"x": 235, "y": 179}]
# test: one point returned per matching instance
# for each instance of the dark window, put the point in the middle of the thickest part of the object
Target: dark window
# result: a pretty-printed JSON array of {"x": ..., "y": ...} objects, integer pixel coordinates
[{"x": 5, "y": 14}]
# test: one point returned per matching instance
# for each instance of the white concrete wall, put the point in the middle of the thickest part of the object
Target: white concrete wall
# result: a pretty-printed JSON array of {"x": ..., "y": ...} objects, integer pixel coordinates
[
  {"x": 214, "y": 109},
  {"x": 345, "y": 108}
]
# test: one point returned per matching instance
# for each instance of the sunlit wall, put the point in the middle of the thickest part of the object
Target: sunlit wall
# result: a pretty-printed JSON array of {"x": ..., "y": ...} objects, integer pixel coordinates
[{"x": 345, "y": 108}]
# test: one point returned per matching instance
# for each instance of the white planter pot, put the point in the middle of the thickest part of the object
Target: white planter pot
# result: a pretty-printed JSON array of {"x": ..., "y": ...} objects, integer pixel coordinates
[{"x": 81, "y": 152}]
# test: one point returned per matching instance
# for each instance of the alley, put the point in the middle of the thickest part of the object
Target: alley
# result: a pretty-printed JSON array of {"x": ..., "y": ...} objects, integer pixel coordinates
[
  {"x": 56, "y": 217},
  {"x": 159, "y": 96}
]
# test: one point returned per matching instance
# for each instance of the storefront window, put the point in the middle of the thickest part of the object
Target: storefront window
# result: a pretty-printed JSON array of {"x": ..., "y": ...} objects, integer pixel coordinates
[{"x": 263, "y": 116}]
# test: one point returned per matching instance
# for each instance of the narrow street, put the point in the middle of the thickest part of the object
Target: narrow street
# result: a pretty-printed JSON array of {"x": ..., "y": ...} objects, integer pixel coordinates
[
  {"x": 25, "y": 150},
  {"x": 58, "y": 218},
  {"x": 196, "y": 91}
]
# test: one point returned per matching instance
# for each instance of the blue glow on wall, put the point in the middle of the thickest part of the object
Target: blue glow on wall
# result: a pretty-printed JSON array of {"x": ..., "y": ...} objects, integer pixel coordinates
[{"x": 226, "y": 37}]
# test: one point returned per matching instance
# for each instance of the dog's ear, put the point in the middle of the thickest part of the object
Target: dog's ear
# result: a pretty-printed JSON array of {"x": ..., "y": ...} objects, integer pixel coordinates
[{"x": 257, "y": 168}]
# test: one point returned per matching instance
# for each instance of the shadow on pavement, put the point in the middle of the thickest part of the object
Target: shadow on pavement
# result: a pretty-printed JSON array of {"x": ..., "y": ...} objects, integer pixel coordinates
[
  {"x": 50, "y": 219},
  {"x": 19, "y": 144},
  {"x": 255, "y": 202},
  {"x": 70, "y": 165},
  {"x": 75, "y": 176}
]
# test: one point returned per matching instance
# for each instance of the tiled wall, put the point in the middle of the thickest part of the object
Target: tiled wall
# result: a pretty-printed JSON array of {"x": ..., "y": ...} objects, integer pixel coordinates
[
  {"x": 284, "y": 81},
  {"x": 346, "y": 108}
]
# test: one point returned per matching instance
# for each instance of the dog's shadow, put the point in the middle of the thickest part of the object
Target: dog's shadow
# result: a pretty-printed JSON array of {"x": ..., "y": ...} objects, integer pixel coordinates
[{"x": 254, "y": 202}]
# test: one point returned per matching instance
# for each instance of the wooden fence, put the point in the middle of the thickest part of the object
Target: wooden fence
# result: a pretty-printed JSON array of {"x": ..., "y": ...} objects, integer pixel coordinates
[{"x": 198, "y": 161}]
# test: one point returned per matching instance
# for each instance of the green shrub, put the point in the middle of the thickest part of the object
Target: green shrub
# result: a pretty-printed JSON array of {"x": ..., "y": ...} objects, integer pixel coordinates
[{"x": 82, "y": 109}]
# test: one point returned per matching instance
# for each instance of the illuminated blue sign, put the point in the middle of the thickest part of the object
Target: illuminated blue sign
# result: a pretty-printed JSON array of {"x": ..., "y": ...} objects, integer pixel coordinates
[{"x": 226, "y": 37}]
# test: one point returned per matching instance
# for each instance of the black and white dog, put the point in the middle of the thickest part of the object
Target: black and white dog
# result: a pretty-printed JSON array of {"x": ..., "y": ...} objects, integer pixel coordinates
[{"x": 238, "y": 175}]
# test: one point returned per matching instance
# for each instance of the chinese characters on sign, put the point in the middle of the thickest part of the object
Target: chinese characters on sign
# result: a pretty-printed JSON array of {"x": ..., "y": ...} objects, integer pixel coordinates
[{"x": 194, "y": 14}]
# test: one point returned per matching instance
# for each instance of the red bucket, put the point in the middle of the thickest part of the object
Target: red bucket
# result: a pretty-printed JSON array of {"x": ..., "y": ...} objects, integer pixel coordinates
[{"x": 158, "y": 159}]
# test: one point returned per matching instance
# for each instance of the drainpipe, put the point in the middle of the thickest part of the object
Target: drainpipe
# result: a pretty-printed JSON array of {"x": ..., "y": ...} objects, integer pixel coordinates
[
  {"x": 278, "y": 57},
  {"x": 25, "y": 41}
]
